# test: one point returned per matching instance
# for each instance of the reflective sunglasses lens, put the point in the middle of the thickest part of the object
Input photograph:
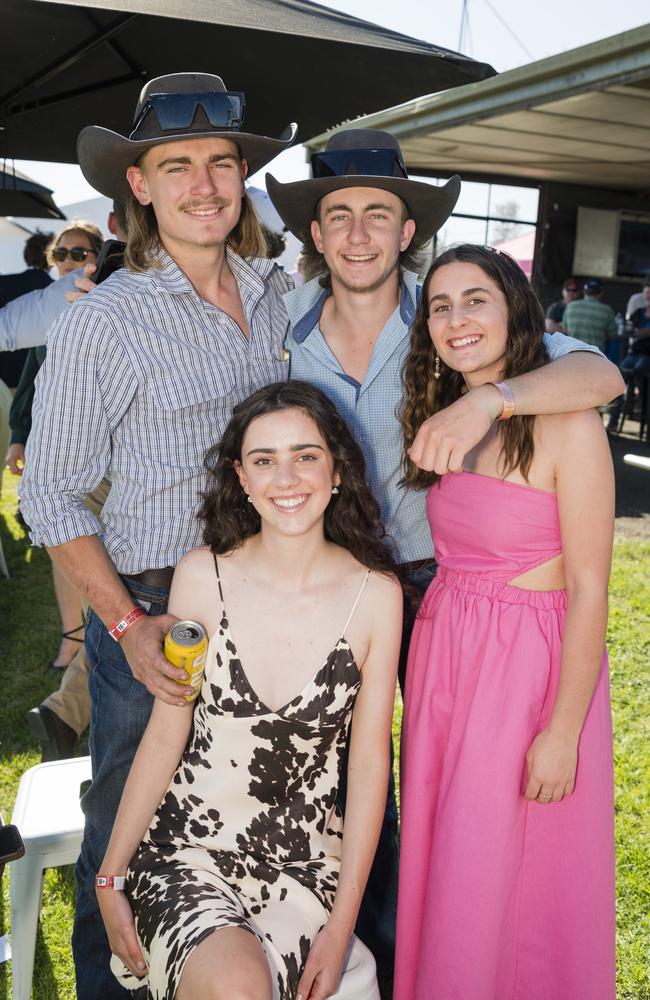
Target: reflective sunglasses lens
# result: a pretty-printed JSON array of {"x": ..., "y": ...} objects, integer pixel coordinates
[
  {"x": 222, "y": 109},
  {"x": 364, "y": 162}
]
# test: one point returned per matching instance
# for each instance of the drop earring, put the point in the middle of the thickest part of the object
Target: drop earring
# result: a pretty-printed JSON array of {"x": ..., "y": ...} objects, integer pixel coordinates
[
  {"x": 436, "y": 366},
  {"x": 249, "y": 498}
]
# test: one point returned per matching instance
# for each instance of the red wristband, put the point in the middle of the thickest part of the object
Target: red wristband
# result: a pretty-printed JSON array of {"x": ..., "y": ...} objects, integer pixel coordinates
[
  {"x": 118, "y": 628},
  {"x": 110, "y": 882}
]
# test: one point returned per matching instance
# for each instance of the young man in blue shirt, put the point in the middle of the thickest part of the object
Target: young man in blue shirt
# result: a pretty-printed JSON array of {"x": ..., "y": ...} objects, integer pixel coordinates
[{"x": 362, "y": 221}]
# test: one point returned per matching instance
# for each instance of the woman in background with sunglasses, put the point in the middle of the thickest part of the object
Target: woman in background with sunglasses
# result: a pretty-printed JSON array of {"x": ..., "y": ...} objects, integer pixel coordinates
[{"x": 76, "y": 245}]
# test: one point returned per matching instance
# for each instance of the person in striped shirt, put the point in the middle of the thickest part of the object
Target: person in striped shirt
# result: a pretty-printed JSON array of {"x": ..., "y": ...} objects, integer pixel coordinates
[{"x": 140, "y": 380}]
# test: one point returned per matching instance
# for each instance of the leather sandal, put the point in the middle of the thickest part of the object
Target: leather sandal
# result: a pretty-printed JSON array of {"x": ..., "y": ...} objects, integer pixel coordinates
[{"x": 58, "y": 668}]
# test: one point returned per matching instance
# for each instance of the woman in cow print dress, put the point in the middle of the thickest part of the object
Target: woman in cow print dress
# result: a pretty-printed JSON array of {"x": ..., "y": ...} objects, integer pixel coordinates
[{"x": 228, "y": 821}]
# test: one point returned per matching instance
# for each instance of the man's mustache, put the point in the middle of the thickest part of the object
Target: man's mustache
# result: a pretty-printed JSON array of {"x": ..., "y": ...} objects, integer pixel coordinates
[{"x": 215, "y": 201}]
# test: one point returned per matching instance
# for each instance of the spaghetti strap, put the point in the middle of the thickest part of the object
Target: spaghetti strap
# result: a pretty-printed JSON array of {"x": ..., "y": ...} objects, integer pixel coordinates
[
  {"x": 356, "y": 600},
  {"x": 216, "y": 569}
]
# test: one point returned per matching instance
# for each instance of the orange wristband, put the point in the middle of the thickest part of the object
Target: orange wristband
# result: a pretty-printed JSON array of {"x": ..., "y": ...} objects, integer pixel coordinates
[{"x": 508, "y": 397}]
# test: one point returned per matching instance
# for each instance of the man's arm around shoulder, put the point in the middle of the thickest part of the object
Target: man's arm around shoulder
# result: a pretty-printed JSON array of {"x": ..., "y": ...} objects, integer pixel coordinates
[
  {"x": 576, "y": 373},
  {"x": 25, "y": 321}
]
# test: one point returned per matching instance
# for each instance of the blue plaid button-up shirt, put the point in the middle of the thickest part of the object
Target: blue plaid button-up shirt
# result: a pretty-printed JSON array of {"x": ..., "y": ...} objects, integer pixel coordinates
[
  {"x": 370, "y": 407},
  {"x": 139, "y": 381}
]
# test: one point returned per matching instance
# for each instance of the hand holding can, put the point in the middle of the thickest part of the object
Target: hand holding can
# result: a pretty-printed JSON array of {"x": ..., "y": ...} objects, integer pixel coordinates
[{"x": 186, "y": 646}]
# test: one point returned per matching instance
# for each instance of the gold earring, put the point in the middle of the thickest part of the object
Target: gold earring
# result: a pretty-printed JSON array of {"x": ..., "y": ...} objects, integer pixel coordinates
[{"x": 437, "y": 369}]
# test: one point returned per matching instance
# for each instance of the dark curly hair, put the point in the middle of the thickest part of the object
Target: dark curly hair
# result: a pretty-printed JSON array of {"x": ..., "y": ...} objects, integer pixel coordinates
[
  {"x": 424, "y": 395},
  {"x": 35, "y": 251},
  {"x": 352, "y": 518}
]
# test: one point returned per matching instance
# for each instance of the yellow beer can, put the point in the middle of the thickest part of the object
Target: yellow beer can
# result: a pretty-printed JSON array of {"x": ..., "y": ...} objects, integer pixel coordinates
[{"x": 186, "y": 646}]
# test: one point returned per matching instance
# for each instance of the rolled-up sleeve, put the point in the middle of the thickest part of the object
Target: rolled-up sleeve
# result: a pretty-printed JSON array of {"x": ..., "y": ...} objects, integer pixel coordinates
[
  {"x": 558, "y": 345},
  {"x": 82, "y": 392},
  {"x": 25, "y": 321}
]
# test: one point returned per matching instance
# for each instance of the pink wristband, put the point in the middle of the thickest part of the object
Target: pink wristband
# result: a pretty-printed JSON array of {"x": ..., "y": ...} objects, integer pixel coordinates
[{"x": 118, "y": 628}]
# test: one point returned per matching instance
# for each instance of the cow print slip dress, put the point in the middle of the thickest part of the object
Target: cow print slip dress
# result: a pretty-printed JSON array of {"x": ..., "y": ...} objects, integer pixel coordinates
[{"x": 248, "y": 833}]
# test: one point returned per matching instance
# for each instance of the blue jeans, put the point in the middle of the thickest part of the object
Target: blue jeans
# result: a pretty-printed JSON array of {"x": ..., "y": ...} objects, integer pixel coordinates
[
  {"x": 121, "y": 707},
  {"x": 378, "y": 914}
]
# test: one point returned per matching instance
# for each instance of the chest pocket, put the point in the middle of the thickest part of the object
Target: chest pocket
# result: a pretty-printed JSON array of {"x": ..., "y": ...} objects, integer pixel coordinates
[{"x": 190, "y": 411}]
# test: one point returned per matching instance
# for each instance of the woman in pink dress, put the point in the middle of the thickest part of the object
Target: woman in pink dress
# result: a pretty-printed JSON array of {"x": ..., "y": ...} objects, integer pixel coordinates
[{"x": 507, "y": 872}]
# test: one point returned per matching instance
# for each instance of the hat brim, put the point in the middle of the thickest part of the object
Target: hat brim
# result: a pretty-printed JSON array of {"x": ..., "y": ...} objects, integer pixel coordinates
[
  {"x": 104, "y": 156},
  {"x": 429, "y": 206}
]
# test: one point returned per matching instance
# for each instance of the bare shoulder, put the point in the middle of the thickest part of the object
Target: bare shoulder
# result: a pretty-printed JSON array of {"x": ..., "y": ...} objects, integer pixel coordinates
[
  {"x": 384, "y": 587},
  {"x": 195, "y": 559},
  {"x": 566, "y": 433},
  {"x": 194, "y": 593},
  {"x": 384, "y": 601}
]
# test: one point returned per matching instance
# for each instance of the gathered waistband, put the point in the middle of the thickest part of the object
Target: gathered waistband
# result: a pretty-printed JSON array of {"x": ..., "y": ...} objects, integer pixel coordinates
[{"x": 544, "y": 600}]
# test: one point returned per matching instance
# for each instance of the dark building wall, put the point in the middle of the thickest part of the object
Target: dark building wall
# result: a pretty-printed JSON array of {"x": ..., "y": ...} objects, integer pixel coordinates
[{"x": 558, "y": 217}]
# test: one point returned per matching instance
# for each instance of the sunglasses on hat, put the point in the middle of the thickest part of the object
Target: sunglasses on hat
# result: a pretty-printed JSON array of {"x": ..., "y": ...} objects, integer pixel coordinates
[
  {"x": 361, "y": 162},
  {"x": 77, "y": 253},
  {"x": 224, "y": 109}
]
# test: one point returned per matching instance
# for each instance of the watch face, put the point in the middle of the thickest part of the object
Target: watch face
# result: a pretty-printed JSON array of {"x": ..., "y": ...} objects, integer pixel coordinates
[{"x": 11, "y": 844}]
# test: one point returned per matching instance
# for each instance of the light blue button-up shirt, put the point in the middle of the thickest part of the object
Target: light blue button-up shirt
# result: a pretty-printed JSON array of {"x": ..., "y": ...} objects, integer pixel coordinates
[
  {"x": 370, "y": 407},
  {"x": 25, "y": 321}
]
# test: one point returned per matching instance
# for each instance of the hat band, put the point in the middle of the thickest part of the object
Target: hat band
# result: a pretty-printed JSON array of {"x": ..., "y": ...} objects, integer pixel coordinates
[
  {"x": 362, "y": 162},
  {"x": 223, "y": 109}
]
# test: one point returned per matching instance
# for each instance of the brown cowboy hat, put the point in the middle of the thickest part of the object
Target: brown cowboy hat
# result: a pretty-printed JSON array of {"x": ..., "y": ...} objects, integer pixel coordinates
[
  {"x": 177, "y": 106},
  {"x": 362, "y": 157}
]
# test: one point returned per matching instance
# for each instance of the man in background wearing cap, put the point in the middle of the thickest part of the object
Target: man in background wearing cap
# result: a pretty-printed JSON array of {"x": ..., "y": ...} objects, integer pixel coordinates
[
  {"x": 590, "y": 319},
  {"x": 363, "y": 221},
  {"x": 140, "y": 380},
  {"x": 555, "y": 312}
]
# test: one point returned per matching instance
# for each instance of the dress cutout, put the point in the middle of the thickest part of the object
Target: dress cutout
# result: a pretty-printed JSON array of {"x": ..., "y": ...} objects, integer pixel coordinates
[
  {"x": 499, "y": 898},
  {"x": 248, "y": 833}
]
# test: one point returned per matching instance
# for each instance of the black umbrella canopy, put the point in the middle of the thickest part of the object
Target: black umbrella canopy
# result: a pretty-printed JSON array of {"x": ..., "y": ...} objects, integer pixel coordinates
[
  {"x": 21, "y": 196},
  {"x": 69, "y": 64}
]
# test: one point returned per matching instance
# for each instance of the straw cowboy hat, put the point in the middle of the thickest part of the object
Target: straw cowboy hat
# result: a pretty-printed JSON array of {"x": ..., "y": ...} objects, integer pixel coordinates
[
  {"x": 177, "y": 106},
  {"x": 362, "y": 157}
]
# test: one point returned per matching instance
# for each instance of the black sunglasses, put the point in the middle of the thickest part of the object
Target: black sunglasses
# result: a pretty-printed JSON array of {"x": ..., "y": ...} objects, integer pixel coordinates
[
  {"x": 77, "y": 253},
  {"x": 223, "y": 109},
  {"x": 363, "y": 162}
]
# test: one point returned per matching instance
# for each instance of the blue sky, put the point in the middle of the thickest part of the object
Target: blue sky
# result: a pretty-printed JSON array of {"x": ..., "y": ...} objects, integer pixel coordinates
[{"x": 505, "y": 33}]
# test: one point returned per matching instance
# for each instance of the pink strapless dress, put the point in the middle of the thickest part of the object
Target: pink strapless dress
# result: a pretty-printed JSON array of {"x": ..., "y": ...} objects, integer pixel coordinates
[{"x": 499, "y": 898}]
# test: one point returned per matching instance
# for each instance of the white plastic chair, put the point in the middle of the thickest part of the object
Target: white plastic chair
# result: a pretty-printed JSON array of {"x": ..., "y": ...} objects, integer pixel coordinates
[
  {"x": 50, "y": 820},
  {"x": 359, "y": 979},
  {"x": 49, "y": 817}
]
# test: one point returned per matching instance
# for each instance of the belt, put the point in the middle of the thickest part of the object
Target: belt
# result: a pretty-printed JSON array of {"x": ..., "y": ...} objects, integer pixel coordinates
[
  {"x": 159, "y": 578},
  {"x": 415, "y": 567}
]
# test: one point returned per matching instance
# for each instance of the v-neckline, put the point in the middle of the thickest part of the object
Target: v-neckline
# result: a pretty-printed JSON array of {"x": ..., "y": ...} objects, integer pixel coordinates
[{"x": 225, "y": 627}]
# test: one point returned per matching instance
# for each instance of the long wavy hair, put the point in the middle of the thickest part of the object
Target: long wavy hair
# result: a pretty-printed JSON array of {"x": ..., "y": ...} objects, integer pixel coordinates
[
  {"x": 424, "y": 395},
  {"x": 352, "y": 518},
  {"x": 143, "y": 245}
]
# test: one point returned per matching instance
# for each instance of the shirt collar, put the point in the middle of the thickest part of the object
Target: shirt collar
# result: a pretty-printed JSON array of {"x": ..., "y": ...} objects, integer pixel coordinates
[
  {"x": 249, "y": 272},
  {"x": 305, "y": 304}
]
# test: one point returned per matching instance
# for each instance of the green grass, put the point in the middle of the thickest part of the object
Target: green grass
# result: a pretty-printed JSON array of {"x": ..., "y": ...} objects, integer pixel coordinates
[{"x": 30, "y": 638}]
